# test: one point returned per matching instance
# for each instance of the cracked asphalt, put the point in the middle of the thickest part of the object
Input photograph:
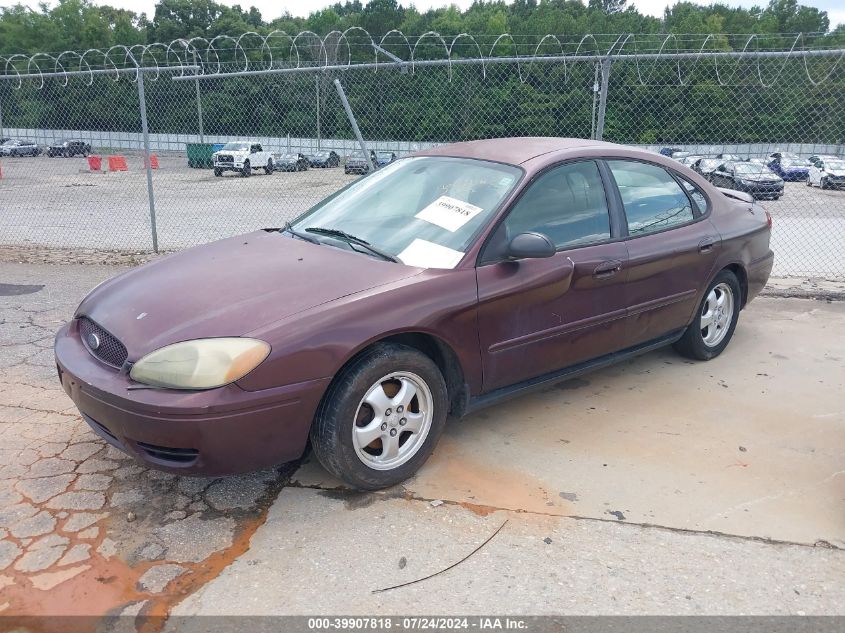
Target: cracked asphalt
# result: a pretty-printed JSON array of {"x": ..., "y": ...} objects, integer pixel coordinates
[
  {"x": 84, "y": 530},
  {"x": 655, "y": 487}
]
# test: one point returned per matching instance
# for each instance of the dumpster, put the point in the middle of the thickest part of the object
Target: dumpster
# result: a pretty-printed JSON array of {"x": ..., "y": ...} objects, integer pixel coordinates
[{"x": 199, "y": 154}]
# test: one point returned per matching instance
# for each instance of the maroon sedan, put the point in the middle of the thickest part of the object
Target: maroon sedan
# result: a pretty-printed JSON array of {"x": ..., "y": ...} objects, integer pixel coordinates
[{"x": 445, "y": 282}]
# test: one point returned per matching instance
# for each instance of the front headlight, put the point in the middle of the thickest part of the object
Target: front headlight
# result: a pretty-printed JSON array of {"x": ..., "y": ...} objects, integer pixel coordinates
[{"x": 200, "y": 364}]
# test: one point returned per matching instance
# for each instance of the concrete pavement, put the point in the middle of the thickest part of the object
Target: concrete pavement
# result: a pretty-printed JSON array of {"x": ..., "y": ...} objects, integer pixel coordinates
[{"x": 658, "y": 486}]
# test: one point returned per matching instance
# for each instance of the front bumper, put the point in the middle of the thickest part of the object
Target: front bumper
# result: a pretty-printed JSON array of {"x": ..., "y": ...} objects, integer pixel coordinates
[
  {"x": 229, "y": 166},
  {"x": 216, "y": 432},
  {"x": 762, "y": 190}
]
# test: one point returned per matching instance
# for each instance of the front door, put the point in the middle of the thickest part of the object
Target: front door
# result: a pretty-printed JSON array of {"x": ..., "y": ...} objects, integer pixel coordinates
[{"x": 536, "y": 316}]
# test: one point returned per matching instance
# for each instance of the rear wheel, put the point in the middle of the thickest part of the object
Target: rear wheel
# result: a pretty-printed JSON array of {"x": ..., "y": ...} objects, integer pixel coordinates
[
  {"x": 269, "y": 168},
  {"x": 715, "y": 321},
  {"x": 381, "y": 418}
]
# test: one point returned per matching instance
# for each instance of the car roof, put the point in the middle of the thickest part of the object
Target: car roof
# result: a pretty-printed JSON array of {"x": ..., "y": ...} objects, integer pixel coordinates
[{"x": 515, "y": 150}]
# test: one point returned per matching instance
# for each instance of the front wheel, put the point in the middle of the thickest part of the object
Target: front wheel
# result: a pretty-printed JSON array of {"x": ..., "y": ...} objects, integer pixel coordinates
[
  {"x": 715, "y": 321},
  {"x": 218, "y": 172},
  {"x": 381, "y": 418},
  {"x": 246, "y": 171}
]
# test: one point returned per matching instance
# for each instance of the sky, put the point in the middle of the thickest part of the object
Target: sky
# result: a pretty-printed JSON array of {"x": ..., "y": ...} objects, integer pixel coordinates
[{"x": 271, "y": 9}]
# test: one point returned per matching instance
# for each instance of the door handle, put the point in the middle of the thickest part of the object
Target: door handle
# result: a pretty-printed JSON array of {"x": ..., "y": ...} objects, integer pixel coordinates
[
  {"x": 706, "y": 245},
  {"x": 607, "y": 269}
]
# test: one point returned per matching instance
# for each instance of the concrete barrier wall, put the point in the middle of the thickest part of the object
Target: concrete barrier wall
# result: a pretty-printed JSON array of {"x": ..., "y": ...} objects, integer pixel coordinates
[{"x": 105, "y": 142}]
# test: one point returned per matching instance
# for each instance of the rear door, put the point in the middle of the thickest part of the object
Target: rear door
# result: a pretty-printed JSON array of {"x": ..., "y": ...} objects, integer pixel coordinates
[
  {"x": 539, "y": 315},
  {"x": 672, "y": 247}
]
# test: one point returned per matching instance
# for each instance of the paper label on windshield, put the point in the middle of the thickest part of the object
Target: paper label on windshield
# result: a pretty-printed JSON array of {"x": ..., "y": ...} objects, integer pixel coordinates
[
  {"x": 449, "y": 213},
  {"x": 425, "y": 254}
]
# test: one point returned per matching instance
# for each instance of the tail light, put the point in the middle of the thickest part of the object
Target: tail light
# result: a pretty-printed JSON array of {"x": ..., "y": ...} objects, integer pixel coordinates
[{"x": 768, "y": 218}]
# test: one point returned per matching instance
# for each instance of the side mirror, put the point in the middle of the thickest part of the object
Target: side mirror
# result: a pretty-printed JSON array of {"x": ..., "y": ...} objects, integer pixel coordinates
[{"x": 531, "y": 245}]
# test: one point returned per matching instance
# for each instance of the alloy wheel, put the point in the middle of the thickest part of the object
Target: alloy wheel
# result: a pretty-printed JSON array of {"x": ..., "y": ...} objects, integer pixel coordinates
[
  {"x": 392, "y": 421},
  {"x": 717, "y": 314}
]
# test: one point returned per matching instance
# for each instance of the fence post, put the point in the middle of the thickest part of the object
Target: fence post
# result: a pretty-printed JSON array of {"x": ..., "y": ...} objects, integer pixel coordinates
[
  {"x": 145, "y": 131},
  {"x": 199, "y": 110},
  {"x": 605, "y": 78},
  {"x": 354, "y": 124},
  {"x": 317, "y": 83}
]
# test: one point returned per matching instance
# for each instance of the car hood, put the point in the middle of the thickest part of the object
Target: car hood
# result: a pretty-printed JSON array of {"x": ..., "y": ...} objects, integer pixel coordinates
[{"x": 229, "y": 288}]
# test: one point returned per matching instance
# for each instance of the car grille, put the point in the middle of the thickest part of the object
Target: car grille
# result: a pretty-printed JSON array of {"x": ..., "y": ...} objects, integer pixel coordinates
[
  {"x": 225, "y": 158},
  {"x": 110, "y": 350}
]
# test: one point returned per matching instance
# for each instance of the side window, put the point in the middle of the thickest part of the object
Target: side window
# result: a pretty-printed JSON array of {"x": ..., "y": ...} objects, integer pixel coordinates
[
  {"x": 653, "y": 200},
  {"x": 696, "y": 194},
  {"x": 567, "y": 203}
]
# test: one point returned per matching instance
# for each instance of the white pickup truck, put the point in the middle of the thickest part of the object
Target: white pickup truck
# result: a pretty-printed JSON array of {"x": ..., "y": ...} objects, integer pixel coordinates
[{"x": 242, "y": 157}]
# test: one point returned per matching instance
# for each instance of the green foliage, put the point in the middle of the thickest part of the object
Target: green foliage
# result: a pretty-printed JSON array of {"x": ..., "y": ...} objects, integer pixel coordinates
[{"x": 427, "y": 105}]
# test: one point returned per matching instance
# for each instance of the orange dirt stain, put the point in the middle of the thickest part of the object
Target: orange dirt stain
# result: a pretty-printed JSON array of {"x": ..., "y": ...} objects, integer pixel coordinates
[{"x": 109, "y": 585}]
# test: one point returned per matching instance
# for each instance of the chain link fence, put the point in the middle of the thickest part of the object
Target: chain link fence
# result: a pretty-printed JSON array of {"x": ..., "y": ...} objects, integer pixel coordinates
[{"x": 92, "y": 125}]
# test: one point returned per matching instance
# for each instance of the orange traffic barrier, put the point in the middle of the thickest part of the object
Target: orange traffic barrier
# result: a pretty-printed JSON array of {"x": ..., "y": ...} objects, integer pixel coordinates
[
  {"x": 95, "y": 163},
  {"x": 117, "y": 163},
  {"x": 153, "y": 162}
]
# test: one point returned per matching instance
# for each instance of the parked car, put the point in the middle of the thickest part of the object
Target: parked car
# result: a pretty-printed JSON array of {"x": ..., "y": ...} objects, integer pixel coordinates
[
  {"x": 19, "y": 147},
  {"x": 448, "y": 281},
  {"x": 356, "y": 163},
  {"x": 706, "y": 166},
  {"x": 294, "y": 161},
  {"x": 790, "y": 168},
  {"x": 827, "y": 173},
  {"x": 757, "y": 180},
  {"x": 68, "y": 148},
  {"x": 823, "y": 157},
  {"x": 668, "y": 151},
  {"x": 691, "y": 159},
  {"x": 324, "y": 159},
  {"x": 384, "y": 158},
  {"x": 242, "y": 157}
]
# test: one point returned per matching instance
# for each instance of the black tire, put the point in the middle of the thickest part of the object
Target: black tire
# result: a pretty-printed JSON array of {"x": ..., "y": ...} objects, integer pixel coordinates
[
  {"x": 823, "y": 183},
  {"x": 269, "y": 168},
  {"x": 246, "y": 170},
  {"x": 331, "y": 433},
  {"x": 692, "y": 344},
  {"x": 218, "y": 172}
]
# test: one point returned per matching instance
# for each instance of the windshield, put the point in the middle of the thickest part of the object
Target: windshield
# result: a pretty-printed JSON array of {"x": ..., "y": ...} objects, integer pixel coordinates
[
  {"x": 834, "y": 164},
  {"x": 357, "y": 155},
  {"x": 793, "y": 162},
  {"x": 291, "y": 156},
  {"x": 10, "y": 143},
  {"x": 752, "y": 169},
  {"x": 236, "y": 147},
  {"x": 730, "y": 157},
  {"x": 321, "y": 155},
  {"x": 789, "y": 156},
  {"x": 424, "y": 210}
]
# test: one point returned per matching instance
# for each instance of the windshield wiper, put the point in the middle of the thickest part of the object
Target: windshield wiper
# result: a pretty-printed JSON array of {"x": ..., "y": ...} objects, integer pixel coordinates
[
  {"x": 351, "y": 239},
  {"x": 303, "y": 236}
]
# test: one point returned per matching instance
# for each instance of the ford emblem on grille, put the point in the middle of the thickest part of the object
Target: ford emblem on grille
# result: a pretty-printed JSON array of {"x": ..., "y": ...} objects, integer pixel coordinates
[{"x": 93, "y": 341}]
